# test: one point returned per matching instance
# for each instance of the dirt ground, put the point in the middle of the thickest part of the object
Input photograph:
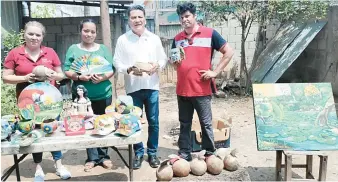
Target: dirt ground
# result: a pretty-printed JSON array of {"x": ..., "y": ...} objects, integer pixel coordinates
[{"x": 259, "y": 164}]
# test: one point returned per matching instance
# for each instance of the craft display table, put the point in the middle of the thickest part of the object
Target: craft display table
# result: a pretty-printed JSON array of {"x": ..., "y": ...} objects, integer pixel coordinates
[
  {"x": 58, "y": 142},
  {"x": 288, "y": 165}
]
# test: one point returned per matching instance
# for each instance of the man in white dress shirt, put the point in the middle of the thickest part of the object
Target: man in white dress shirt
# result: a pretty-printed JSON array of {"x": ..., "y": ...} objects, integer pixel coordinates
[{"x": 140, "y": 45}]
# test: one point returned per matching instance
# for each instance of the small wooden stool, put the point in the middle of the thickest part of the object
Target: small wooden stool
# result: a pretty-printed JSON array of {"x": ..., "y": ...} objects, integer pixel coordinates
[{"x": 308, "y": 166}]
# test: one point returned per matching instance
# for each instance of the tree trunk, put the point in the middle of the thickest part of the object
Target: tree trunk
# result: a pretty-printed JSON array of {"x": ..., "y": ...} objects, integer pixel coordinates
[
  {"x": 244, "y": 70},
  {"x": 106, "y": 36}
]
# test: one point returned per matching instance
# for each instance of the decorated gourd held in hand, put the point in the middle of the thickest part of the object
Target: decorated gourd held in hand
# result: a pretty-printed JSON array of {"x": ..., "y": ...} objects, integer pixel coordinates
[{"x": 41, "y": 72}]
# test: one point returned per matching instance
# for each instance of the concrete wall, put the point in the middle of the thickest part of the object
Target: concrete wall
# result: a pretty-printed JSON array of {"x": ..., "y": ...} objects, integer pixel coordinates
[
  {"x": 62, "y": 32},
  {"x": 231, "y": 31},
  {"x": 319, "y": 61}
]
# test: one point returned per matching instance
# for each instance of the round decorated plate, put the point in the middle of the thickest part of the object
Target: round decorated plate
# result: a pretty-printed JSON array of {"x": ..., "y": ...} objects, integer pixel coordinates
[{"x": 40, "y": 101}]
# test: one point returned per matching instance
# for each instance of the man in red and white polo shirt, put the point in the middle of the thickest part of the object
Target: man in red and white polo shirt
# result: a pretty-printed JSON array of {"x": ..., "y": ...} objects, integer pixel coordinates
[{"x": 194, "y": 77}]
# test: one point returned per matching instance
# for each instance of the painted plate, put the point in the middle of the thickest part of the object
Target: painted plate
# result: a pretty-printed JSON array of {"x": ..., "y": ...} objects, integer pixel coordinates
[{"x": 40, "y": 101}]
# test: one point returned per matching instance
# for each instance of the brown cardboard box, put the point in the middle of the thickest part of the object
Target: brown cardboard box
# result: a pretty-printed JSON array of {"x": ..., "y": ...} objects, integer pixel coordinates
[{"x": 221, "y": 133}]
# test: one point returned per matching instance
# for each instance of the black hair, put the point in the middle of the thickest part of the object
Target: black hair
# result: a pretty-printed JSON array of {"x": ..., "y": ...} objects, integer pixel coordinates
[
  {"x": 136, "y": 7},
  {"x": 200, "y": 21},
  {"x": 85, "y": 92},
  {"x": 86, "y": 21},
  {"x": 182, "y": 8}
]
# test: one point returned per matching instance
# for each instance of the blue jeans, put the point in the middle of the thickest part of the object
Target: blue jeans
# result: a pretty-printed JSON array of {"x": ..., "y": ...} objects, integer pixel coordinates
[
  {"x": 98, "y": 155},
  {"x": 150, "y": 100},
  {"x": 37, "y": 157}
]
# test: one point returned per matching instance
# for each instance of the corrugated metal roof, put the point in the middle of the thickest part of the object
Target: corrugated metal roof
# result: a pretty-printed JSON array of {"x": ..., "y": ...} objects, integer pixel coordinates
[{"x": 283, "y": 50}]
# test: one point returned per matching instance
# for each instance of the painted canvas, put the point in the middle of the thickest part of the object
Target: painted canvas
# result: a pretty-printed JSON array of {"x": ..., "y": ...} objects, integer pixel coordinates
[
  {"x": 40, "y": 101},
  {"x": 295, "y": 116}
]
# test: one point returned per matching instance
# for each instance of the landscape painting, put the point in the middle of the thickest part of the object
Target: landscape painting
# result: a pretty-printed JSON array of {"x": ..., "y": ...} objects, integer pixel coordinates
[{"x": 295, "y": 116}]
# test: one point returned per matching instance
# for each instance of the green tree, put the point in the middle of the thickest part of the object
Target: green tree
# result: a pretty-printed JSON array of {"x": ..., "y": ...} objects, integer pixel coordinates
[
  {"x": 44, "y": 11},
  {"x": 11, "y": 40},
  {"x": 8, "y": 93},
  {"x": 263, "y": 12}
]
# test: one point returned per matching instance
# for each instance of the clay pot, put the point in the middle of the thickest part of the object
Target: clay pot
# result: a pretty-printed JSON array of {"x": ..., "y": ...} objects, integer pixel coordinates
[
  {"x": 198, "y": 167},
  {"x": 26, "y": 126},
  {"x": 49, "y": 126},
  {"x": 181, "y": 168},
  {"x": 231, "y": 162},
  {"x": 214, "y": 164},
  {"x": 164, "y": 172}
]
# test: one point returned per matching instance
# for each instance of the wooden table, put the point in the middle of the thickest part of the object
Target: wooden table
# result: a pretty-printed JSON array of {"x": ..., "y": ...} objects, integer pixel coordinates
[{"x": 58, "y": 141}]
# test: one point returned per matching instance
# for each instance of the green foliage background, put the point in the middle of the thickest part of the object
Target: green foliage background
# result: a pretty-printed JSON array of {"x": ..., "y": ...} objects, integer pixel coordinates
[{"x": 8, "y": 94}]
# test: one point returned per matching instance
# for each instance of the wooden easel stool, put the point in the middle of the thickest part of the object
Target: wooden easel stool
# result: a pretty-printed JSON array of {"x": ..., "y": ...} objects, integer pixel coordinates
[{"x": 308, "y": 166}]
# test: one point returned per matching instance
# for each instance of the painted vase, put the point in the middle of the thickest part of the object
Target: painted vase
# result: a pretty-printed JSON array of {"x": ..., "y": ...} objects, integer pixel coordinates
[
  {"x": 26, "y": 126},
  {"x": 49, "y": 126}
]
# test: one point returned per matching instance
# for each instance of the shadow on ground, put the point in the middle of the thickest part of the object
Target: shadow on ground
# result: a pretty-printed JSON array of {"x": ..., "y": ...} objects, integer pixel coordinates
[
  {"x": 112, "y": 176},
  {"x": 78, "y": 157},
  {"x": 266, "y": 173}
]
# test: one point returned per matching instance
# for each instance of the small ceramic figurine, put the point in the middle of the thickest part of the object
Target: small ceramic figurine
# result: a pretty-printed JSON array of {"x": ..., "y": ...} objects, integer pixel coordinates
[{"x": 82, "y": 104}]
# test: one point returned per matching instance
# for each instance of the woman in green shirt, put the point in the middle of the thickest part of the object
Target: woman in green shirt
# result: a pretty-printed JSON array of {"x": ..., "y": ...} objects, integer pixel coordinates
[{"x": 98, "y": 85}]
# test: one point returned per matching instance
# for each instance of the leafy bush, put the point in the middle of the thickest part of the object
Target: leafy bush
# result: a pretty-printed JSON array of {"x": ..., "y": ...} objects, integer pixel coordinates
[
  {"x": 12, "y": 40},
  {"x": 8, "y": 93},
  {"x": 8, "y": 100}
]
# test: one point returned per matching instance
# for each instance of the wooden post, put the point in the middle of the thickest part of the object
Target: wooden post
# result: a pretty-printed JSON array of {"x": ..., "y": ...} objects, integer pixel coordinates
[
  {"x": 288, "y": 168},
  {"x": 157, "y": 22},
  {"x": 309, "y": 161},
  {"x": 322, "y": 168},
  {"x": 279, "y": 154},
  {"x": 106, "y": 35}
]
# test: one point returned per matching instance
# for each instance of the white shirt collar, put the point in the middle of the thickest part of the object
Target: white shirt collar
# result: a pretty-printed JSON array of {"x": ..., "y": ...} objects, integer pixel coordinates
[{"x": 146, "y": 33}]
